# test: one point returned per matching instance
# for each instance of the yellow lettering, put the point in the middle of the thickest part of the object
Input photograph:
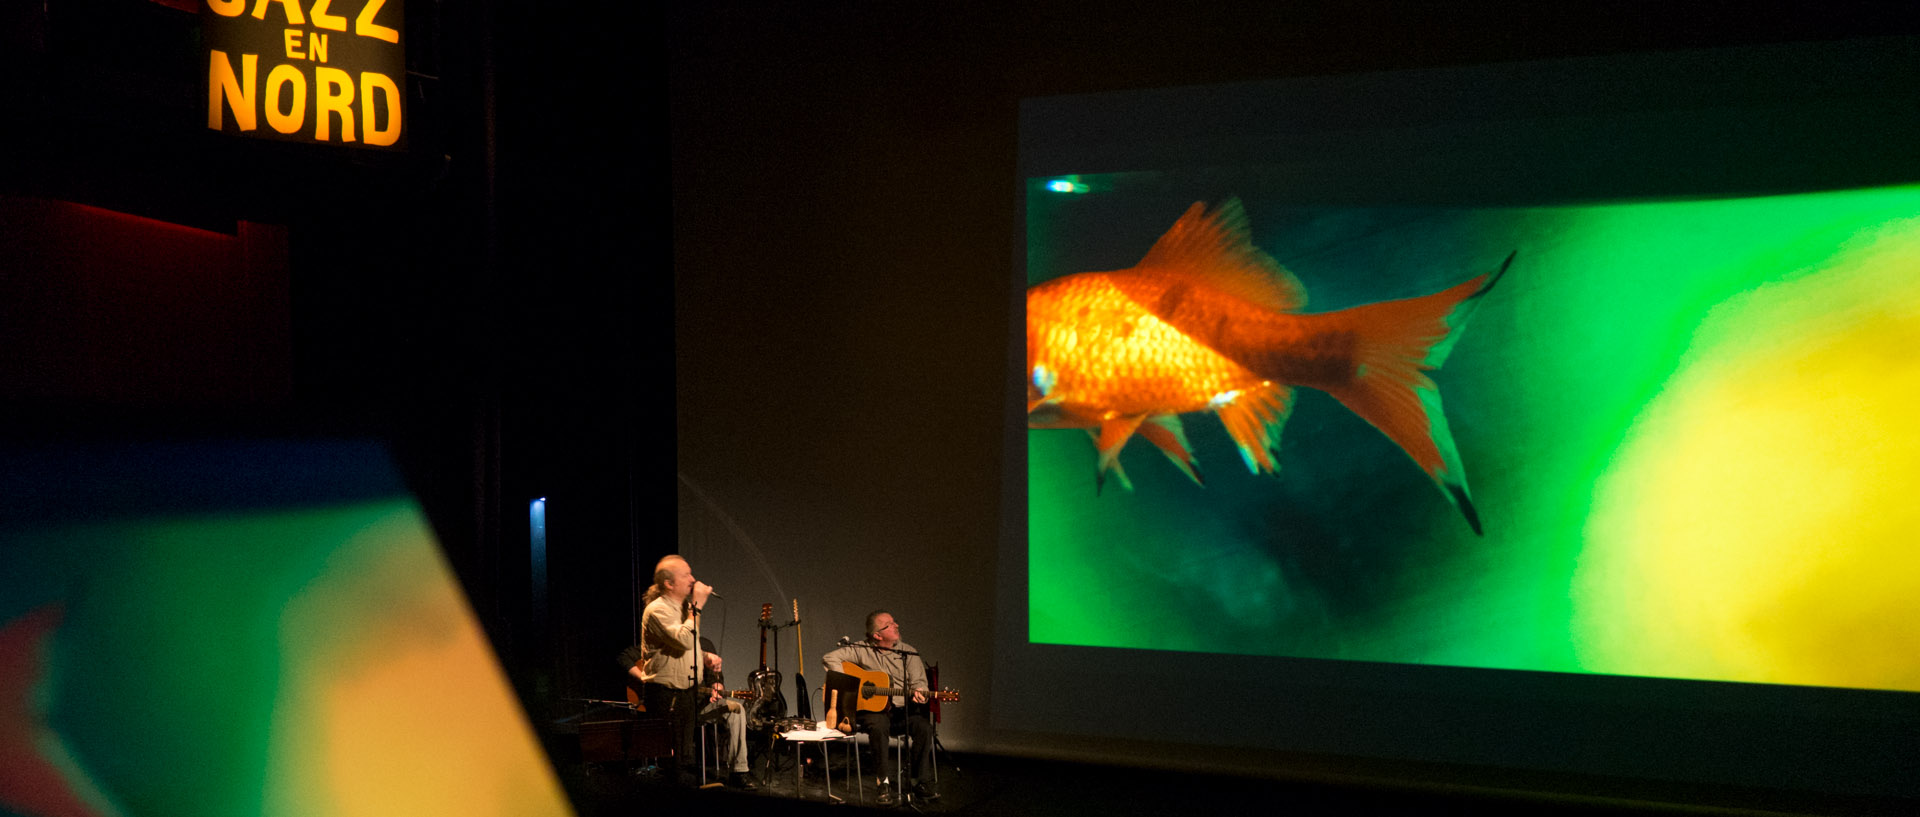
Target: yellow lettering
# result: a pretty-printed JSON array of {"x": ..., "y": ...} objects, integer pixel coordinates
[
  {"x": 295, "y": 115},
  {"x": 317, "y": 47},
  {"x": 291, "y": 7},
  {"x": 335, "y": 96},
  {"x": 293, "y": 43},
  {"x": 390, "y": 93},
  {"x": 364, "y": 26},
  {"x": 238, "y": 91},
  {"x": 227, "y": 8},
  {"x": 321, "y": 19}
]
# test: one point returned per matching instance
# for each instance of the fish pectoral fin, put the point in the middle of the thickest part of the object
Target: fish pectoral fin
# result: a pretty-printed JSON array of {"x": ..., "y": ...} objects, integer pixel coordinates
[
  {"x": 1100, "y": 473},
  {"x": 1253, "y": 419},
  {"x": 1113, "y": 436},
  {"x": 1166, "y": 432}
]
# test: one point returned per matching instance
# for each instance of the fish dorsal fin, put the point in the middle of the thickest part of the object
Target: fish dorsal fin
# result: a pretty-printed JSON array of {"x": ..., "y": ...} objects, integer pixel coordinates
[{"x": 1213, "y": 248}]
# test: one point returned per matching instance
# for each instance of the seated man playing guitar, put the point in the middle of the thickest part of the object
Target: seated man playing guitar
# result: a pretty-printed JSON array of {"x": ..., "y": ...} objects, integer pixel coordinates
[
  {"x": 884, "y": 652},
  {"x": 718, "y": 704}
]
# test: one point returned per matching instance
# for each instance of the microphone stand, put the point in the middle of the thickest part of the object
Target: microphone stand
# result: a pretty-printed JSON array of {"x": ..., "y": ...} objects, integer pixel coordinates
[{"x": 699, "y": 658}]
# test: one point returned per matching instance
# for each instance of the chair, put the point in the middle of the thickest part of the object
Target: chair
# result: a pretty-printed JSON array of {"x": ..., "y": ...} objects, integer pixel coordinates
[
  {"x": 847, "y": 688},
  {"x": 710, "y": 745},
  {"x": 655, "y": 736}
]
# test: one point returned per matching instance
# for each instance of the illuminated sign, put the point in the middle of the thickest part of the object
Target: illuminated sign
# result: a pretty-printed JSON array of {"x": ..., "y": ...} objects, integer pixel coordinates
[{"x": 307, "y": 70}]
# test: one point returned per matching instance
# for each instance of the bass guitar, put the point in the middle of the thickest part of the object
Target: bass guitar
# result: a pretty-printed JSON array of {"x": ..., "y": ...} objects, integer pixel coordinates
[{"x": 800, "y": 669}]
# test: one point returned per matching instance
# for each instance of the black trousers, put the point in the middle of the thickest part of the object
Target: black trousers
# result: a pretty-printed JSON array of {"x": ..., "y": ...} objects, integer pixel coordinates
[
  {"x": 898, "y": 720},
  {"x": 681, "y": 708}
]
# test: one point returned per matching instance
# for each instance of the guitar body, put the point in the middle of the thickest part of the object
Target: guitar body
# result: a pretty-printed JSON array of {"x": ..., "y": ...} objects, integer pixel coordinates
[
  {"x": 869, "y": 680},
  {"x": 770, "y": 702},
  {"x": 765, "y": 683},
  {"x": 876, "y": 693}
]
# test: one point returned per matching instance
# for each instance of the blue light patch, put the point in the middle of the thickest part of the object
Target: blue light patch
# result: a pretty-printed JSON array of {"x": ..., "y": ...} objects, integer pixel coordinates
[{"x": 1068, "y": 184}]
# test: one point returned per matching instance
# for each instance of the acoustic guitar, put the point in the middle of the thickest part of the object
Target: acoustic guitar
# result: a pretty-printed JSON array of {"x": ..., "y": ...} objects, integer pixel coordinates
[{"x": 876, "y": 695}]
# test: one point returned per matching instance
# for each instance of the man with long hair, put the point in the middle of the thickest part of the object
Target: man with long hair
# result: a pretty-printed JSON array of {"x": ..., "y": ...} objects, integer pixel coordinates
[{"x": 677, "y": 676}]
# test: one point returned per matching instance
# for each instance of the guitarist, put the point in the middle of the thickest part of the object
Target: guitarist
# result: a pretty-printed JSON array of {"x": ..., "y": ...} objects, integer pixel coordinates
[
  {"x": 876, "y": 653},
  {"x": 674, "y": 678},
  {"x": 717, "y": 706}
]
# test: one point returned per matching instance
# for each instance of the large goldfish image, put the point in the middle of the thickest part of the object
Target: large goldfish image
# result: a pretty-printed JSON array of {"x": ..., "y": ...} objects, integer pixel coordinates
[{"x": 1208, "y": 322}]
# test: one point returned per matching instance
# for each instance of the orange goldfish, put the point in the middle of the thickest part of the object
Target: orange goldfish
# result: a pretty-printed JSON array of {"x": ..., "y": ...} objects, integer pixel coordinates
[{"x": 1208, "y": 322}]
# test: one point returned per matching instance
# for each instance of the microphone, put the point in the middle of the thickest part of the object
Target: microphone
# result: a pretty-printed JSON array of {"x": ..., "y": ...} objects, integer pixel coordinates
[
  {"x": 845, "y": 641},
  {"x": 712, "y": 593}
]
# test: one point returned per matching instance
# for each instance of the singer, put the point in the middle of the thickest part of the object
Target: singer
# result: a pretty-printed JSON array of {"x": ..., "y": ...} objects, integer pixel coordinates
[
  {"x": 674, "y": 671},
  {"x": 883, "y": 651}
]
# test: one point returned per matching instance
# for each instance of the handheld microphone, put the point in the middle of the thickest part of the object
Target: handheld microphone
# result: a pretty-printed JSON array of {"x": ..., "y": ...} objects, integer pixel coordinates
[{"x": 712, "y": 593}]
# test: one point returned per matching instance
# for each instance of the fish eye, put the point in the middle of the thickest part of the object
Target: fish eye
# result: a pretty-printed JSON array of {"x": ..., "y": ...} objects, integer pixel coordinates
[{"x": 1043, "y": 379}]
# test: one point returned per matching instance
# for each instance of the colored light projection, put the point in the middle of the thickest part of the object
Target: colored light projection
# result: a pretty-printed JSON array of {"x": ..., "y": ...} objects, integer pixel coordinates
[
  {"x": 1689, "y": 428},
  {"x": 244, "y": 629}
]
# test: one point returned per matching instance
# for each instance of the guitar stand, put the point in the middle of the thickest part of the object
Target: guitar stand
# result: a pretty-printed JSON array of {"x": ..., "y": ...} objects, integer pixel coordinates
[{"x": 939, "y": 749}]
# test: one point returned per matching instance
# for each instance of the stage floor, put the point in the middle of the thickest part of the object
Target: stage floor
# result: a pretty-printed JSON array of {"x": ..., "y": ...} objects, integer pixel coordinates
[{"x": 997, "y": 785}]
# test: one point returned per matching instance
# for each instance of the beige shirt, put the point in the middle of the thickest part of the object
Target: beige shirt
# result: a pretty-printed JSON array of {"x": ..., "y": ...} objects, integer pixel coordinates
[{"x": 667, "y": 656}]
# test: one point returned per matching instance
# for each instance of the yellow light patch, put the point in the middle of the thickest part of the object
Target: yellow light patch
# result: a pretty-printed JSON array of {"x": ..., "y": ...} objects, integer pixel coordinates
[
  {"x": 1758, "y": 523},
  {"x": 394, "y": 703}
]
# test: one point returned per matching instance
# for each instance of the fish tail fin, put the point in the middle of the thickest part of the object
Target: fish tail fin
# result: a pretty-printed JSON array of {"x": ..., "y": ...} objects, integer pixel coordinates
[{"x": 1397, "y": 343}]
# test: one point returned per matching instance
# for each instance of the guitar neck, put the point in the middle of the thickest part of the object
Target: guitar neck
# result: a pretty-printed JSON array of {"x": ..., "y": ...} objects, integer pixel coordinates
[
  {"x": 943, "y": 695},
  {"x": 766, "y": 618}
]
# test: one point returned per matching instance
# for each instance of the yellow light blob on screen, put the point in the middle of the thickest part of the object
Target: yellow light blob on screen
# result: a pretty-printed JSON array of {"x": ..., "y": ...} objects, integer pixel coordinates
[
  {"x": 1758, "y": 523},
  {"x": 393, "y": 702}
]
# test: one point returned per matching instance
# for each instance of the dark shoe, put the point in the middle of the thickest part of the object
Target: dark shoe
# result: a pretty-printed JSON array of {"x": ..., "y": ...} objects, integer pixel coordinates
[
  {"x": 741, "y": 781},
  {"x": 922, "y": 791},
  {"x": 886, "y": 794}
]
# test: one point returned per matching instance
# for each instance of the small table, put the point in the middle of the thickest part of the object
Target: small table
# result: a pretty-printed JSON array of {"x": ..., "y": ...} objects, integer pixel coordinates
[{"x": 822, "y": 737}]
